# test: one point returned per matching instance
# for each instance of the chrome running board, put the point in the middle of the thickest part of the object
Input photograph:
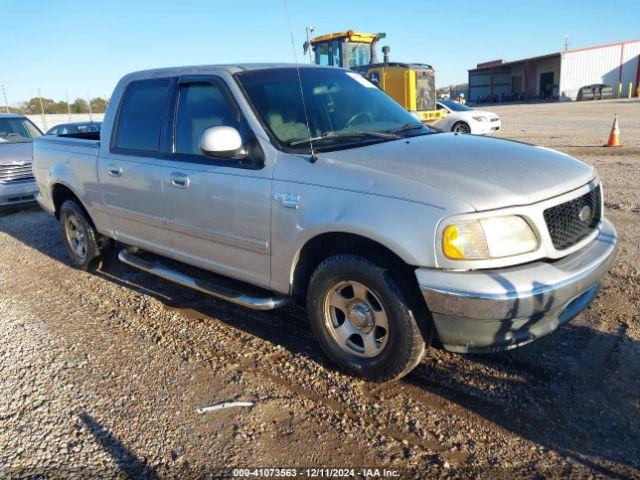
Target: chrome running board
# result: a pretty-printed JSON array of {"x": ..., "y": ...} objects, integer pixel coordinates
[{"x": 224, "y": 292}]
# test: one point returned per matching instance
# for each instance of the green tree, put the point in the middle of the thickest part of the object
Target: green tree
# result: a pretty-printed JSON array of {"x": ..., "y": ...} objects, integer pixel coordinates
[
  {"x": 61, "y": 107},
  {"x": 98, "y": 105},
  {"x": 455, "y": 88},
  {"x": 79, "y": 106},
  {"x": 33, "y": 106},
  {"x": 19, "y": 110}
]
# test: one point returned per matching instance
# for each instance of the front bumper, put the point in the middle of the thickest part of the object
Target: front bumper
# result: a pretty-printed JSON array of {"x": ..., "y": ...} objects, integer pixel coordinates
[
  {"x": 482, "y": 128},
  {"x": 492, "y": 310},
  {"x": 16, "y": 193}
]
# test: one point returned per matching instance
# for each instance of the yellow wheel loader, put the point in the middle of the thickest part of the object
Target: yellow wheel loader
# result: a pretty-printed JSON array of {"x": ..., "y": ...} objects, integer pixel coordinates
[{"x": 412, "y": 85}]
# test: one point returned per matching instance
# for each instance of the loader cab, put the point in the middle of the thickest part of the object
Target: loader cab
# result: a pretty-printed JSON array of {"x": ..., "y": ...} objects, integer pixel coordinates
[
  {"x": 412, "y": 85},
  {"x": 345, "y": 49}
]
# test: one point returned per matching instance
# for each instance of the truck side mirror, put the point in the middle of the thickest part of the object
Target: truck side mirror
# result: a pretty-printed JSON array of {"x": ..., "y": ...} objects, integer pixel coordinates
[{"x": 223, "y": 142}]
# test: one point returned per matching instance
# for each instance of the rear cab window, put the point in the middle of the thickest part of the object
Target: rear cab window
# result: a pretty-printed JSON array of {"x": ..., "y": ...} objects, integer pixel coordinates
[{"x": 140, "y": 117}]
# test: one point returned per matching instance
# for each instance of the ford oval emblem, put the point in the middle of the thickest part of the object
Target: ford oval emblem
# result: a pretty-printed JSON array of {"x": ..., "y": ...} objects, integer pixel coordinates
[{"x": 585, "y": 214}]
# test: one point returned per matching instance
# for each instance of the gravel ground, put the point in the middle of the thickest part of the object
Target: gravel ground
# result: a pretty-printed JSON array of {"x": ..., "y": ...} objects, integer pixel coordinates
[{"x": 101, "y": 374}]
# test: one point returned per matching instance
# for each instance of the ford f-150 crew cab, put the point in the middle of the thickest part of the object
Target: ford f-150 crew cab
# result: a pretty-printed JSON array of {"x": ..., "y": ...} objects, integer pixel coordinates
[{"x": 262, "y": 183}]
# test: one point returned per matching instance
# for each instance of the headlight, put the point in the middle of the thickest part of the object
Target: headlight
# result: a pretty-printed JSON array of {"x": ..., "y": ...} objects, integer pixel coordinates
[
  {"x": 480, "y": 118},
  {"x": 492, "y": 237}
]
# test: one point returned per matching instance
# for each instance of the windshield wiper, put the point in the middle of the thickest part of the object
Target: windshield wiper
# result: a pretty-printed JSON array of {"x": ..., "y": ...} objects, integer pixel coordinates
[
  {"x": 346, "y": 134},
  {"x": 407, "y": 127}
]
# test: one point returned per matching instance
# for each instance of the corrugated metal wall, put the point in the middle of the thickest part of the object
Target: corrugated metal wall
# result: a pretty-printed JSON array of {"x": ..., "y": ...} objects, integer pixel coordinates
[
  {"x": 599, "y": 65},
  {"x": 478, "y": 86},
  {"x": 630, "y": 66}
]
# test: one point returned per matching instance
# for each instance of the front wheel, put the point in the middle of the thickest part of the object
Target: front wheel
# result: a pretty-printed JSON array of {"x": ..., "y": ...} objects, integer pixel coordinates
[
  {"x": 361, "y": 319},
  {"x": 461, "y": 127}
]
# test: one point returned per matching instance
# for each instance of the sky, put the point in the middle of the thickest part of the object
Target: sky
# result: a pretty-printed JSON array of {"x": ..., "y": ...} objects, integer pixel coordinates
[{"x": 83, "y": 47}]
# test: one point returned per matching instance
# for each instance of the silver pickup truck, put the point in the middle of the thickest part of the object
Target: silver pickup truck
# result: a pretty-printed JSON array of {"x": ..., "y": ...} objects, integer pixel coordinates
[{"x": 261, "y": 183}]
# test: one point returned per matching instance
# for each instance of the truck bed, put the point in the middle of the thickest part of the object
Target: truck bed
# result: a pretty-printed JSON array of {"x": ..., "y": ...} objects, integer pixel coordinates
[
  {"x": 86, "y": 143},
  {"x": 81, "y": 135}
]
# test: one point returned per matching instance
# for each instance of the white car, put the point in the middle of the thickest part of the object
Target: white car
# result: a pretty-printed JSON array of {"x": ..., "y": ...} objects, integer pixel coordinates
[{"x": 463, "y": 119}]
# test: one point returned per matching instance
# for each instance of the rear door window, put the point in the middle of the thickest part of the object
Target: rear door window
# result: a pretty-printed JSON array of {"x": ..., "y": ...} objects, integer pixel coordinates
[{"x": 141, "y": 115}]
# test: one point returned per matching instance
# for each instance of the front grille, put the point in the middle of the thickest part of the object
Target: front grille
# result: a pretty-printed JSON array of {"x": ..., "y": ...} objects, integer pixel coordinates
[
  {"x": 564, "y": 223},
  {"x": 495, "y": 119},
  {"x": 15, "y": 173}
]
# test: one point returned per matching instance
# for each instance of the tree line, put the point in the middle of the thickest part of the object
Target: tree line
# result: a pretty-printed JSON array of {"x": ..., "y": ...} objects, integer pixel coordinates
[
  {"x": 79, "y": 105},
  {"x": 452, "y": 88}
]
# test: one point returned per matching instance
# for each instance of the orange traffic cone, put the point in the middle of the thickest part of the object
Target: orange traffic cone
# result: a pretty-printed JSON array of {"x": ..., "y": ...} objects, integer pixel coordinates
[{"x": 614, "y": 136}]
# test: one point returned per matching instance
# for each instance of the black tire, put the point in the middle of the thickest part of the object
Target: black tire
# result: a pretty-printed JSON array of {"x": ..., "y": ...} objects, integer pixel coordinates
[
  {"x": 74, "y": 223},
  {"x": 404, "y": 345},
  {"x": 461, "y": 127}
]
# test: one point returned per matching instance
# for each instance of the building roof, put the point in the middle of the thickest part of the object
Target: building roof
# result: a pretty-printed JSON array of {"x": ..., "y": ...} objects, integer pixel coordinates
[{"x": 501, "y": 63}]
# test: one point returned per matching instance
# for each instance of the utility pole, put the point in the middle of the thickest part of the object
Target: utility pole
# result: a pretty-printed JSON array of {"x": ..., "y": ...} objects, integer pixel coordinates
[
  {"x": 66, "y": 94},
  {"x": 90, "y": 111},
  {"x": 6, "y": 103},
  {"x": 566, "y": 42},
  {"x": 44, "y": 118},
  {"x": 310, "y": 29}
]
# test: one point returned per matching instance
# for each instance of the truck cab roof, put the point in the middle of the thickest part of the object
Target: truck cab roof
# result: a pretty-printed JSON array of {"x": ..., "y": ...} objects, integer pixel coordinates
[{"x": 211, "y": 69}]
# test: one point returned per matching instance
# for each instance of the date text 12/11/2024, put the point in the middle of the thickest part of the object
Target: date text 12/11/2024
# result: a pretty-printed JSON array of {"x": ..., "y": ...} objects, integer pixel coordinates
[{"x": 315, "y": 473}]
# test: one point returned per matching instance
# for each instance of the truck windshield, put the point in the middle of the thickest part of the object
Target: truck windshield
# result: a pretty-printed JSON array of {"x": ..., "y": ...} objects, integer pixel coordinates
[
  {"x": 337, "y": 101},
  {"x": 17, "y": 130}
]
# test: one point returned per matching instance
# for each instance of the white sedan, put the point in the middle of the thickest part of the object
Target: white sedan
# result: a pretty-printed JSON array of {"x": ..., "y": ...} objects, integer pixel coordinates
[{"x": 463, "y": 119}]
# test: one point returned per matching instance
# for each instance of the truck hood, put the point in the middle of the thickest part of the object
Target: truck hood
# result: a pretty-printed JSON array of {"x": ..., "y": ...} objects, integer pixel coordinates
[
  {"x": 16, "y": 152},
  {"x": 483, "y": 172}
]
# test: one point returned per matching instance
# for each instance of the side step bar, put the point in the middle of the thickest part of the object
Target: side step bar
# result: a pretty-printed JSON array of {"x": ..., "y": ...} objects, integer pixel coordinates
[{"x": 256, "y": 302}]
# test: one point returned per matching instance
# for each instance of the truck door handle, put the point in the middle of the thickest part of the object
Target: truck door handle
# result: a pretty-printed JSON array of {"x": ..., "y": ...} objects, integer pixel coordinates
[
  {"x": 179, "y": 180},
  {"x": 114, "y": 170}
]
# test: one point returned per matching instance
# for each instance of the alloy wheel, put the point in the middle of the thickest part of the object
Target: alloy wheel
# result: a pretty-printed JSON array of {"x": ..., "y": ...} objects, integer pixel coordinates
[
  {"x": 356, "y": 319},
  {"x": 76, "y": 236}
]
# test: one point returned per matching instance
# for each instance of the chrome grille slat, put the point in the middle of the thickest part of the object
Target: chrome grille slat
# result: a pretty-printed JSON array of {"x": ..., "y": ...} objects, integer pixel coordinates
[{"x": 15, "y": 173}]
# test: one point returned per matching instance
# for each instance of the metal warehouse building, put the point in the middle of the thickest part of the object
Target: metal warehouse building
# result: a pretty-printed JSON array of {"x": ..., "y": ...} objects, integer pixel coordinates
[{"x": 558, "y": 76}]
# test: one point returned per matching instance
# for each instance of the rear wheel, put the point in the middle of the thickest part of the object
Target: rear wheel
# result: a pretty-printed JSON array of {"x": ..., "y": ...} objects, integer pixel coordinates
[
  {"x": 461, "y": 127},
  {"x": 361, "y": 319},
  {"x": 85, "y": 246}
]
